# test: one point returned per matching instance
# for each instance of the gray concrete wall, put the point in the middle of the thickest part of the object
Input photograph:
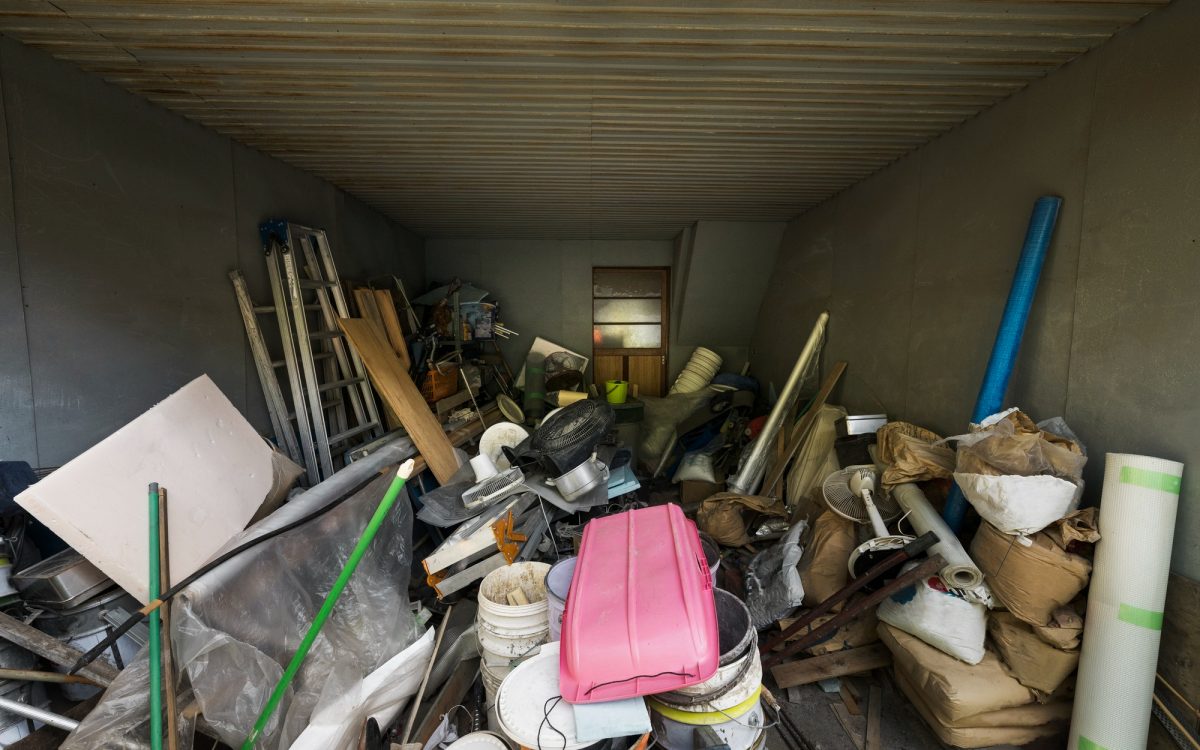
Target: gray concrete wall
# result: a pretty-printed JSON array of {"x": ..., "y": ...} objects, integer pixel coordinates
[
  {"x": 724, "y": 268},
  {"x": 914, "y": 263},
  {"x": 118, "y": 224},
  {"x": 544, "y": 287}
]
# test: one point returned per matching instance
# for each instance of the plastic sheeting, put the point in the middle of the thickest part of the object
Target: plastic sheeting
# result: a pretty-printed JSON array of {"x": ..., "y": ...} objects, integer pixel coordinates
[
  {"x": 234, "y": 629},
  {"x": 773, "y": 586},
  {"x": 1125, "y": 605}
]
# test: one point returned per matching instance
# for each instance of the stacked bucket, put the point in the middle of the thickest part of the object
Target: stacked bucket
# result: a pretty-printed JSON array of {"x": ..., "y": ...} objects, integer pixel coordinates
[
  {"x": 698, "y": 372},
  {"x": 508, "y": 632},
  {"x": 728, "y": 702}
]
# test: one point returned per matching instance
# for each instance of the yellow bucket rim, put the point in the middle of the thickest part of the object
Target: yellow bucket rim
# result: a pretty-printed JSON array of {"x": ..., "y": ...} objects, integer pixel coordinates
[{"x": 706, "y": 718}]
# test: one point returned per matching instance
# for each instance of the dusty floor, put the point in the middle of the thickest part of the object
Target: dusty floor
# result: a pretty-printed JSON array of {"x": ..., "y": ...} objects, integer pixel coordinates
[{"x": 902, "y": 728}]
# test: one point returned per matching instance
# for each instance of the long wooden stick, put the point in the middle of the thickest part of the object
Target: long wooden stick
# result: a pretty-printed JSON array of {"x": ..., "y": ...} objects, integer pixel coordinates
[
  {"x": 32, "y": 639},
  {"x": 168, "y": 659},
  {"x": 412, "y": 715},
  {"x": 31, "y": 675},
  {"x": 802, "y": 427}
]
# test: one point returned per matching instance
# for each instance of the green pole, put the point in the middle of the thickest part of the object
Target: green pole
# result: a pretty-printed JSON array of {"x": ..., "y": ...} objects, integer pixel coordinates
[
  {"x": 310, "y": 637},
  {"x": 156, "y": 721}
]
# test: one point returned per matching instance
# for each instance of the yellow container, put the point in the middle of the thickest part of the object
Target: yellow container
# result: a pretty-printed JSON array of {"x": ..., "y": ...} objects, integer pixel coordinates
[{"x": 616, "y": 391}]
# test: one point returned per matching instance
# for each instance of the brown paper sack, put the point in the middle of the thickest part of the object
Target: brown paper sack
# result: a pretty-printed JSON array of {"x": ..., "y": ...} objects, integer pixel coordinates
[
  {"x": 720, "y": 516},
  {"x": 1031, "y": 582},
  {"x": 1035, "y": 663},
  {"x": 823, "y": 568}
]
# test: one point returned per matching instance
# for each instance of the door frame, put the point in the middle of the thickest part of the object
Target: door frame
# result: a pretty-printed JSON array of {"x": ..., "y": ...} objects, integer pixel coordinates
[{"x": 665, "y": 322}]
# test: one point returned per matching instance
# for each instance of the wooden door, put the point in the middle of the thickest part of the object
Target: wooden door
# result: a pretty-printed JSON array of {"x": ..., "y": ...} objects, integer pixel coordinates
[{"x": 629, "y": 327}]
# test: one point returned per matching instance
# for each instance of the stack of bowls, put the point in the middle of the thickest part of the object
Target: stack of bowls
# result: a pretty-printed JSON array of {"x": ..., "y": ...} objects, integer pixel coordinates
[{"x": 699, "y": 371}]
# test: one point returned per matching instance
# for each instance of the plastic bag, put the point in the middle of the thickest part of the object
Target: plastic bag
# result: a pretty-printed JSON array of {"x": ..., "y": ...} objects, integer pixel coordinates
[
  {"x": 773, "y": 587},
  {"x": 1017, "y": 476},
  {"x": 661, "y": 417},
  {"x": 941, "y": 617},
  {"x": 816, "y": 459},
  {"x": 235, "y": 628}
]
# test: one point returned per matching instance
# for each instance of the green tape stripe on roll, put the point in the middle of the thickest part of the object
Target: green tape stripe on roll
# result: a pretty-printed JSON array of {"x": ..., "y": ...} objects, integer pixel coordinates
[
  {"x": 1086, "y": 744},
  {"x": 1153, "y": 480},
  {"x": 1143, "y": 618}
]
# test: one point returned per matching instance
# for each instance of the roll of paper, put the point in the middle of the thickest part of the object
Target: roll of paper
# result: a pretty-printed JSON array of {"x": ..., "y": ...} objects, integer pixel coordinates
[
  {"x": 1125, "y": 605},
  {"x": 960, "y": 571}
]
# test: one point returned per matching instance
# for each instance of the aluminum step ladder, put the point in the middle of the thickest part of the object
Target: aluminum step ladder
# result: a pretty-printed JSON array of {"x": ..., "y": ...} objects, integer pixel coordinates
[
  {"x": 268, "y": 376},
  {"x": 309, "y": 302}
]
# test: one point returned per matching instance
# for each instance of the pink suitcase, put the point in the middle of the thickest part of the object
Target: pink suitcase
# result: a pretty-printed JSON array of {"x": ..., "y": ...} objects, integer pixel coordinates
[{"x": 640, "y": 617}]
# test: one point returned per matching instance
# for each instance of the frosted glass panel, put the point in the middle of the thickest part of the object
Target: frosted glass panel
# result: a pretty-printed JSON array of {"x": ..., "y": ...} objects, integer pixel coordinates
[
  {"x": 627, "y": 336},
  {"x": 626, "y": 283},
  {"x": 627, "y": 311}
]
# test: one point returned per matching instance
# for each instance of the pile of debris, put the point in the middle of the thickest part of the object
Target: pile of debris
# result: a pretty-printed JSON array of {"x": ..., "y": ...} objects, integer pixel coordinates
[{"x": 435, "y": 552}]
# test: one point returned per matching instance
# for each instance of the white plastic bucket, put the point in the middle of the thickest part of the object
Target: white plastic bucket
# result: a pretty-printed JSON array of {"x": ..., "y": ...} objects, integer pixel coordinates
[
  {"x": 507, "y": 632},
  {"x": 478, "y": 741},
  {"x": 558, "y": 585},
  {"x": 740, "y": 727}
]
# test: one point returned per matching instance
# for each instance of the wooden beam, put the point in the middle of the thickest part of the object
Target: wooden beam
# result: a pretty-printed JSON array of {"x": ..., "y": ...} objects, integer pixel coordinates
[
  {"x": 399, "y": 392},
  {"x": 32, "y": 639},
  {"x": 874, "y": 719},
  {"x": 836, "y": 664}
]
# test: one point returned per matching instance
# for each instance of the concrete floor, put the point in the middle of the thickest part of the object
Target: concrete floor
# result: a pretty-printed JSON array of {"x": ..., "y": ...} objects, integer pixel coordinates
[{"x": 902, "y": 727}]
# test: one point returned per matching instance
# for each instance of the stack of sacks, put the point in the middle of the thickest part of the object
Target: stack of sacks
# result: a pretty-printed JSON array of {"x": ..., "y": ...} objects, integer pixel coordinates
[
  {"x": 970, "y": 705},
  {"x": 1039, "y": 585}
]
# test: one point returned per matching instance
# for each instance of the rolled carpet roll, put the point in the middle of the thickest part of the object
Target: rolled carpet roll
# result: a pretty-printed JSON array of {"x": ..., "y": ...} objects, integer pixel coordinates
[{"x": 1125, "y": 605}]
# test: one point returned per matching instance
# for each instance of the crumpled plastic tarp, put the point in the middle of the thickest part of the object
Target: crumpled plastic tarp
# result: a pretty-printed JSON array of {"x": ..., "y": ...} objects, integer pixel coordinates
[
  {"x": 773, "y": 586},
  {"x": 234, "y": 630}
]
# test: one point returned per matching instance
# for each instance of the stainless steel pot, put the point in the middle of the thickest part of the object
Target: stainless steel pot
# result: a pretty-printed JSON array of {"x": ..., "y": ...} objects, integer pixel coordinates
[{"x": 583, "y": 478}]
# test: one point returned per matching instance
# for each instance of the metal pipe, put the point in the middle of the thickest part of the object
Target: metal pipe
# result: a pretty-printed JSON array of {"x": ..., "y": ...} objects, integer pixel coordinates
[
  {"x": 751, "y": 473},
  {"x": 156, "y": 728},
  {"x": 37, "y": 714},
  {"x": 1012, "y": 329}
]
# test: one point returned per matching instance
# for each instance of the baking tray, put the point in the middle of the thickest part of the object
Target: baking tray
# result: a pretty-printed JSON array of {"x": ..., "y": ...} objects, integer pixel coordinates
[{"x": 61, "y": 580}]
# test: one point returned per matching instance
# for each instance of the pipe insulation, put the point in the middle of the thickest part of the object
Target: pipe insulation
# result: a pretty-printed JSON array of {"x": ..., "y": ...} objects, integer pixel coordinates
[
  {"x": 1012, "y": 329},
  {"x": 1115, "y": 687},
  {"x": 746, "y": 481},
  {"x": 960, "y": 570}
]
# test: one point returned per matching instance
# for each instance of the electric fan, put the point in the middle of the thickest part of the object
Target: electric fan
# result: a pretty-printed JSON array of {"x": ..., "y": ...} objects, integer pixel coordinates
[{"x": 850, "y": 492}]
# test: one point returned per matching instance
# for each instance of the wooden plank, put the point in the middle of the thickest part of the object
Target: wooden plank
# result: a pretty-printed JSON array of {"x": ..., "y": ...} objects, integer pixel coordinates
[
  {"x": 390, "y": 320},
  {"x": 847, "y": 721},
  {"x": 367, "y": 307},
  {"x": 801, "y": 428},
  {"x": 399, "y": 392},
  {"x": 850, "y": 661},
  {"x": 451, "y": 694},
  {"x": 874, "y": 719},
  {"x": 846, "y": 690},
  {"x": 32, "y": 639}
]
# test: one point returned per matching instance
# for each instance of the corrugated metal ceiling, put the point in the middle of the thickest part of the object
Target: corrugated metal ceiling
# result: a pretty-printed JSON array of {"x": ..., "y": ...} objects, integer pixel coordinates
[{"x": 575, "y": 119}]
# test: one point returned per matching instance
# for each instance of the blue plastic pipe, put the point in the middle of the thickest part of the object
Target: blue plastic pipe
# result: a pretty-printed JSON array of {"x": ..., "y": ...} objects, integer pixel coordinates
[{"x": 1012, "y": 330}]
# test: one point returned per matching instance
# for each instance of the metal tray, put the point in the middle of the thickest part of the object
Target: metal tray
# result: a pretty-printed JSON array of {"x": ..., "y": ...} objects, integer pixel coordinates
[{"x": 60, "y": 581}]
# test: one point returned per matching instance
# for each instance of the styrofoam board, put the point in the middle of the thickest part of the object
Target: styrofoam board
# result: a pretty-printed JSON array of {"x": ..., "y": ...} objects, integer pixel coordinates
[{"x": 214, "y": 466}]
